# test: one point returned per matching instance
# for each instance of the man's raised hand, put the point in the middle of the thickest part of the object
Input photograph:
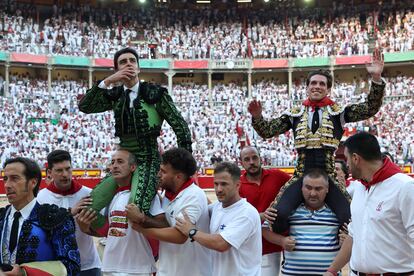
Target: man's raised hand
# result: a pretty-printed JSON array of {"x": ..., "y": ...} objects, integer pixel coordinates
[
  {"x": 377, "y": 65},
  {"x": 255, "y": 109}
]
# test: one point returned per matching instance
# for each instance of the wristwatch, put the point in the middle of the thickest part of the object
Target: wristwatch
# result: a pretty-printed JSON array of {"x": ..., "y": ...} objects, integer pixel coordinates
[{"x": 192, "y": 233}]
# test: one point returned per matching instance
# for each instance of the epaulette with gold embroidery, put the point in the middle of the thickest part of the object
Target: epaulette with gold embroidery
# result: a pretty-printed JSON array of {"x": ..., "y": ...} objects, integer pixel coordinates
[
  {"x": 295, "y": 111},
  {"x": 335, "y": 109}
]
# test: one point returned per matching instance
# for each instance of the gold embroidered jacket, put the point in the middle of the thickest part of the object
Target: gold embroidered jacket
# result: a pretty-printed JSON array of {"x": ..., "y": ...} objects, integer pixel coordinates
[{"x": 329, "y": 133}]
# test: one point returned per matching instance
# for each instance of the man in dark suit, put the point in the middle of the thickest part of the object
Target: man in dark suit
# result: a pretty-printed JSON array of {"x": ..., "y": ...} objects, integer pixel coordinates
[
  {"x": 139, "y": 109},
  {"x": 35, "y": 239}
]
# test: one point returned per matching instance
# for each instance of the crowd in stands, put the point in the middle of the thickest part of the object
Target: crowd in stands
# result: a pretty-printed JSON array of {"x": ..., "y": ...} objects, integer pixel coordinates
[
  {"x": 36, "y": 122},
  {"x": 199, "y": 34}
]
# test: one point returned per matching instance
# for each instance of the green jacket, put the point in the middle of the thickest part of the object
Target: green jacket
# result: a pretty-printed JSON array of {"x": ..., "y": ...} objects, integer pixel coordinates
[{"x": 138, "y": 127}]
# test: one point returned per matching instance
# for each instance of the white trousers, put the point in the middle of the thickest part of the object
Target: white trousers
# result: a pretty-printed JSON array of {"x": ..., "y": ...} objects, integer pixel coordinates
[{"x": 271, "y": 264}]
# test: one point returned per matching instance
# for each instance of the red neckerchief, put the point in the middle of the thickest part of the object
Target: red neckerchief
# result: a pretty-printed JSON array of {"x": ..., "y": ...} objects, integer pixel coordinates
[
  {"x": 73, "y": 188},
  {"x": 387, "y": 170},
  {"x": 171, "y": 196},
  {"x": 123, "y": 188},
  {"x": 324, "y": 102}
]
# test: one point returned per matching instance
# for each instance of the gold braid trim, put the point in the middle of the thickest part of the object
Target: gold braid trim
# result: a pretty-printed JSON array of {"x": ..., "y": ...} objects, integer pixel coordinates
[
  {"x": 335, "y": 109},
  {"x": 323, "y": 137},
  {"x": 296, "y": 111},
  {"x": 300, "y": 168}
]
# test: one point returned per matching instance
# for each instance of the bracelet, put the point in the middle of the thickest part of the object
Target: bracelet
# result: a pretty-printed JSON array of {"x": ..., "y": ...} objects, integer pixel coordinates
[{"x": 332, "y": 271}]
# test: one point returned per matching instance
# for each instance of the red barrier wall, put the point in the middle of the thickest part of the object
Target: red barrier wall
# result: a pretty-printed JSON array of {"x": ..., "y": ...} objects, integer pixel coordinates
[{"x": 205, "y": 182}]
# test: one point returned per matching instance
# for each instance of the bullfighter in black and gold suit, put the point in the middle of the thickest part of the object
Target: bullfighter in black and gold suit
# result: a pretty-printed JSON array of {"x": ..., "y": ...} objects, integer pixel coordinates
[{"x": 318, "y": 128}]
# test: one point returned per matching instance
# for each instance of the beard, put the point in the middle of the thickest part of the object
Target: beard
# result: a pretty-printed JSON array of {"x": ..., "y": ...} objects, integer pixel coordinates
[
  {"x": 166, "y": 185},
  {"x": 254, "y": 173},
  {"x": 356, "y": 173}
]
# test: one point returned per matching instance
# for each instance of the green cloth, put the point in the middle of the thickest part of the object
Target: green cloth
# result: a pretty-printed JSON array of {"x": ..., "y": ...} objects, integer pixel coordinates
[
  {"x": 138, "y": 128},
  {"x": 143, "y": 183}
]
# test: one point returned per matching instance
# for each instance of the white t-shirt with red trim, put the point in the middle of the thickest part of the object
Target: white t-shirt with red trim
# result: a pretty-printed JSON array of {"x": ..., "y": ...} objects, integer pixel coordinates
[
  {"x": 126, "y": 250},
  {"x": 382, "y": 226},
  {"x": 189, "y": 258}
]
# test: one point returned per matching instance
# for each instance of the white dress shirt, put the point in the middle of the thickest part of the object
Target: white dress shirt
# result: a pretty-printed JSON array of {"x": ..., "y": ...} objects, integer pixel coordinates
[
  {"x": 25, "y": 213},
  {"x": 132, "y": 95}
]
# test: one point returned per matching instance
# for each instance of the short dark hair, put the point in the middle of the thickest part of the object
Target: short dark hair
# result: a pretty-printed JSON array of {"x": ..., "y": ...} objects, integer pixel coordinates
[
  {"x": 180, "y": 160},
  {"x": 124, "y": 51},
  {"x": 388, "y": 154},
  {"x": 229, "y": 167},
  {"x": 31, "y": 170},
  {"x": 322, "y": 73},
  {"x": 344, "y": 168},
  {"x": 365, "y": 145},
  {"x": 57, "y": 156},
  {"x": 132, "y": 159},
  {"x": 316, "y": 173}
]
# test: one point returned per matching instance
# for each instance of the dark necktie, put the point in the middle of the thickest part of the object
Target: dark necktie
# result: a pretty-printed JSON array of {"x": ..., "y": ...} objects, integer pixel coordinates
[
  {"x": 315, "y": 120},
  {"x": 14, "y": 232},
  {"x": 128, "y": 99},
  {"x": 127, "y": 113}
]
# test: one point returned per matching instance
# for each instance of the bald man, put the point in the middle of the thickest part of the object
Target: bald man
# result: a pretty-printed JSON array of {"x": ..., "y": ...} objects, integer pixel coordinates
[{"x": 260, "y": 187}]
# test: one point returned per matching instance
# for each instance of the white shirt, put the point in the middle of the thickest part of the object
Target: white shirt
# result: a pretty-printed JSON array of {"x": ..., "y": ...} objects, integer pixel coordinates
[
  {"x": 382, "y": 226},
  {"x": 132, "y": 95},
  {"x": 310, "y": 117},
  {"x": 87, "y": 249},
  {"x": 239, "y": 225},
  {"x": 25, "y": 213},
  {"x": 190, "y": 258},
  {"x": 351, "y": 187},
  {"x": 127, "y": 251}
]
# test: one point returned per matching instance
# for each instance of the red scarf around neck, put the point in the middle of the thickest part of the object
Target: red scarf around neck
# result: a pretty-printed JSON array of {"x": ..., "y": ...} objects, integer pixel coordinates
[
  {"x": 323, "y": 102},
  {"x": 123, "y": 188},
  {"x": 73, "y": 188},
  {"x": 171, "y": 196},
  {"x": 387, "y": 170}
]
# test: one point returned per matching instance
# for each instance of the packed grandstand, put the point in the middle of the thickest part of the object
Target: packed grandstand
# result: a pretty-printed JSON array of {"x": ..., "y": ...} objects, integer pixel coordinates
[{"x": 41, "y": 86}]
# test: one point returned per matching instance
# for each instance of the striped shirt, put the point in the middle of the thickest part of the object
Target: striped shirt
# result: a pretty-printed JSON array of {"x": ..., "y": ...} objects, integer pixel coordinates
[{"x": 317, "y": 243}]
